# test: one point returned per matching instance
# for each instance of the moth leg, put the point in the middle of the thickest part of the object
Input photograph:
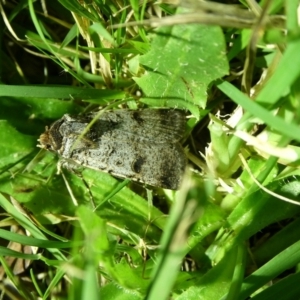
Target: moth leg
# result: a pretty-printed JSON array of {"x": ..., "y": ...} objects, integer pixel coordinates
[
  {"x": 70, "y": 166},
  {"x": 66, "y": 164},
  {"x": 74, "y": 200},
  {"x": 87, "y": 187},
  {"x": 58, "y": 167}
]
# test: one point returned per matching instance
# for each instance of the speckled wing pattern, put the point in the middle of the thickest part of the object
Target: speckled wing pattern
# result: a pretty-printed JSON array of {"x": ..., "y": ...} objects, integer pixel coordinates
[{"x": 142, "y": 145}]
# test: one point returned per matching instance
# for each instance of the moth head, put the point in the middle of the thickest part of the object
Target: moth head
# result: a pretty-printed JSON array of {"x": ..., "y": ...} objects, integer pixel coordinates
[
  {"x": 46, "y": 141},
  {"x": 51, "y": 139}
]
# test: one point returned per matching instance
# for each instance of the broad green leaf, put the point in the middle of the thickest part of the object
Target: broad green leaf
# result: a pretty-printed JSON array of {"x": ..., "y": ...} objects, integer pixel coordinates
[
  {"x": 181, "y": 64},
  {"x": 14, "y": 145}
]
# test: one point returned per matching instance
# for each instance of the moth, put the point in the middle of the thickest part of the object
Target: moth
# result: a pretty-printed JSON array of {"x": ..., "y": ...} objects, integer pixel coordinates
[{"x": 142, "y": 145}]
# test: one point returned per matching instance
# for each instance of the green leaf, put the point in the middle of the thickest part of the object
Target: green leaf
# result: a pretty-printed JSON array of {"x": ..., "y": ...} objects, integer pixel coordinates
[
  {"x": 181, "y": 64},
  {"x": 185, "y": 211},
  {"x": 216, "y": 282},
  {"x": 75, "y": 7},
  {"x": 287, "y": 288},
  {"x": 112, "y": 291},
  {"x": 14, "y": 145},
  {"x": 250, "y": 215},
  {"x": 285, "y": 260},
  {"x": 64, "y": 92}
]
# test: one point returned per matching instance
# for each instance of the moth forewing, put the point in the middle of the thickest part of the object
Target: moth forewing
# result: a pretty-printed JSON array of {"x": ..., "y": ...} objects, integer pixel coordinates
[
  {"x": 161, "y": 125},
  {"x": 142, "y": 145}
]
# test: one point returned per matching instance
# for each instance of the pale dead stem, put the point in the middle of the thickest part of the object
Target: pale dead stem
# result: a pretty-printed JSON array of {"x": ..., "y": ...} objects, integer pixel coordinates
[{"x": 280, "y": 197}]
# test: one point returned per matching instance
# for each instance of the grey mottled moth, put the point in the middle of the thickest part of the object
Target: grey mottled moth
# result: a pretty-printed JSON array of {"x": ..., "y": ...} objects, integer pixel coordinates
[{"x": 142, "y": 145}]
